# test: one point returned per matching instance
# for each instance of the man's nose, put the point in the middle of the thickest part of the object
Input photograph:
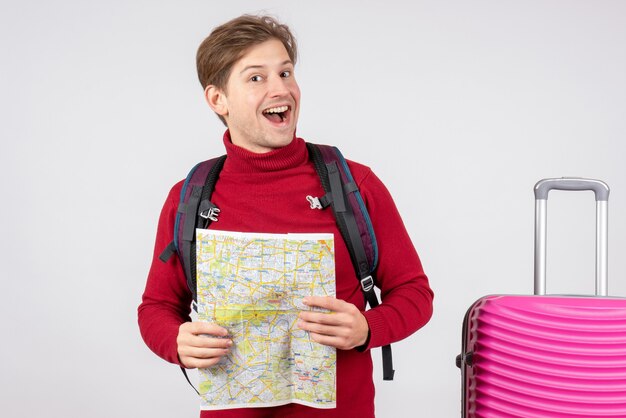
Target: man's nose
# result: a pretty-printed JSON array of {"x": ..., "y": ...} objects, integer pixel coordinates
[{"x": 278, "y": 86}]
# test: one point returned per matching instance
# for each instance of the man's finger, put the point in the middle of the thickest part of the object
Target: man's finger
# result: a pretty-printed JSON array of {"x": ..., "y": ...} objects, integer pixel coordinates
[
  {"x": 322, "y": 329},
  {"x": 331, "y": 341},
  {"x": 202, "y": 341},
  {"x": 193, "y": 363},
  {"x": 204, "y": 353},
  {"x": 321, "y": 317},
  {"x": 204, "y": 328},
  {"x": 326, "y": 302}
]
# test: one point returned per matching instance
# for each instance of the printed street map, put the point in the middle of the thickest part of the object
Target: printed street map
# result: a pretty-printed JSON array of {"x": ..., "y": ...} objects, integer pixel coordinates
[{"x": 253, "y": 285}]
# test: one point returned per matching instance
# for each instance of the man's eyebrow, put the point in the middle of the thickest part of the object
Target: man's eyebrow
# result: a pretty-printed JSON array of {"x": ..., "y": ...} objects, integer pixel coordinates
[{"x": 256, "y": 67}]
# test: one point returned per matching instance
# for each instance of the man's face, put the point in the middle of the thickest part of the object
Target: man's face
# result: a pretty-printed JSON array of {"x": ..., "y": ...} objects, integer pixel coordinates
[{"x": 262, "y": 99}]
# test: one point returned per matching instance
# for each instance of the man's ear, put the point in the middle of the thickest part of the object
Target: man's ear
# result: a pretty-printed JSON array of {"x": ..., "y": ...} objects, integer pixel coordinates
[{"x": 216, "y": 99}]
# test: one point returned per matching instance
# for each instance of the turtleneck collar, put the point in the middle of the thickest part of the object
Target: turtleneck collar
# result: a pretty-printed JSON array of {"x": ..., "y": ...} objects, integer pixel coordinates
[{"x": 243, "y": 161}]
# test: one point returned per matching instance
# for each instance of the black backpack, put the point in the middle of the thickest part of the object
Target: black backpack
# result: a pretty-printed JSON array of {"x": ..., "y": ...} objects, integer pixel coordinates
[{"x": 196, "y": 210}]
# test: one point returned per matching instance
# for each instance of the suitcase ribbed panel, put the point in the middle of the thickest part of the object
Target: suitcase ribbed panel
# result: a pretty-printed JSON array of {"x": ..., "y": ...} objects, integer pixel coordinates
[{"x": 547, "y": 357}]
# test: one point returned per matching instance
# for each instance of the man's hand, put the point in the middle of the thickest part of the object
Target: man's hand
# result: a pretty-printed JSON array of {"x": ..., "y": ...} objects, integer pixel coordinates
[
  {"x": 344, "y": 327},
  {"x": 199, "y": 344}
]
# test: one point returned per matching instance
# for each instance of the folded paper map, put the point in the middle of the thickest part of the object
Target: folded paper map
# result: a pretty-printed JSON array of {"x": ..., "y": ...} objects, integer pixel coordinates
[{"x": 253, "y": 285}]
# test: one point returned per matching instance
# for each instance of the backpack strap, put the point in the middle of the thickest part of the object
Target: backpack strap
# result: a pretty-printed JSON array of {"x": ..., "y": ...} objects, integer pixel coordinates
[
  {"x": 195, "y": 210},
  {"x": 353, "y": 222}
]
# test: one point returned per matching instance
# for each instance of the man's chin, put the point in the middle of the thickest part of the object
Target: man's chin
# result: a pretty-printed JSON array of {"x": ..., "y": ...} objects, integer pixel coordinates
[
  {"x": 269, "y": 143},
  {"x": 280, "y": 142},
  {"x": 281, "y": 137}
]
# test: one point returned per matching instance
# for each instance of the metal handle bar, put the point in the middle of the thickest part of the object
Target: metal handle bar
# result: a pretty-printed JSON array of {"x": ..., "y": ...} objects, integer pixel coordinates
[{"x": 601, "y": 190}]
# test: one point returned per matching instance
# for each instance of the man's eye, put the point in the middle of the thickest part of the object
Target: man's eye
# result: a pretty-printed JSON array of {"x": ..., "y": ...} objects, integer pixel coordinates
[
  {"x": 285, "y": 74},
  {"x": 256, "y": 78}
]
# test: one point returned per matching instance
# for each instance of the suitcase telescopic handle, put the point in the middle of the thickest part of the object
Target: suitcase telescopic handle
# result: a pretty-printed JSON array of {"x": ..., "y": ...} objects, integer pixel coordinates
[{"x": 601, "y": 190}]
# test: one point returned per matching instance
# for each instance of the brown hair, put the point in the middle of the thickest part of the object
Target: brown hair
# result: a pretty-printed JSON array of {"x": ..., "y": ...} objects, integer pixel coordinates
[{"x": 227, "y": 43}]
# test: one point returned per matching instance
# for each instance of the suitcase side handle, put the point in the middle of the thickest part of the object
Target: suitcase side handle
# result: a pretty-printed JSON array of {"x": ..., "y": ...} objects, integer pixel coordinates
[{"x": 601, "y": 190}]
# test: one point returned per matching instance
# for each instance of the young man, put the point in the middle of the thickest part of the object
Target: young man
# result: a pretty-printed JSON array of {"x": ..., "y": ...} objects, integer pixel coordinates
[{"x": 246, "y": 67}]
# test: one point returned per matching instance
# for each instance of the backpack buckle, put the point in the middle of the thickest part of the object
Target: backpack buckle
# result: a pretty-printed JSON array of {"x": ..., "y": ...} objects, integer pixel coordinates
[
  {"x": 210, "y": 214},
  {"x": 315, "y": 202},
  {"x": 367, "y": 283}
]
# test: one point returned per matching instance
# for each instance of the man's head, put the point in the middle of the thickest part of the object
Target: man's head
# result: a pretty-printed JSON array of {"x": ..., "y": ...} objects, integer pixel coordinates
[
  {"x": 246, "y": 69},
  {"x": 228, "y": 42}
]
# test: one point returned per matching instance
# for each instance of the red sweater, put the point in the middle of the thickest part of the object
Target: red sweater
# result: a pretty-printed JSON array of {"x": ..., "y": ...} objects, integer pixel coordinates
[{"x": 267, "y": 193}]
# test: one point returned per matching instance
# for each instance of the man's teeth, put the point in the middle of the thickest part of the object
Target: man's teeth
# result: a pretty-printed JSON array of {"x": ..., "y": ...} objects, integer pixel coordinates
[{"x": 279, "y": 109}]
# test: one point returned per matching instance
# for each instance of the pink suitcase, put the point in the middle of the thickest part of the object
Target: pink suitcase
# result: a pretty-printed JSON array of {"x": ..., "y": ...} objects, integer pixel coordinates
[{"x": 548, "y": 356}]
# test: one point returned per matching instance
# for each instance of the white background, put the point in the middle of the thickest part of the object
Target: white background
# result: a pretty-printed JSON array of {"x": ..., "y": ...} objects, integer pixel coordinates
[{"x": 459, "y": 106}]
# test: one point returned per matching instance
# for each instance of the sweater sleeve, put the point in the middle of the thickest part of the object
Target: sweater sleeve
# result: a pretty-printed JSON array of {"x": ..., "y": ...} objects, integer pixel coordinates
[
  {"x": 405, "y": 292},
  {"x": 166, "y": 301}
]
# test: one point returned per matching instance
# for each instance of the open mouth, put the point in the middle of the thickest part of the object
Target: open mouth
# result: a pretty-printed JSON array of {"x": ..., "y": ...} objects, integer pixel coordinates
[{"x": 277, "y": 114}]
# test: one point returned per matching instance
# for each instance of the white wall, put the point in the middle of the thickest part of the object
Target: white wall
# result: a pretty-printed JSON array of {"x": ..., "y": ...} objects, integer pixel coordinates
[{"x": 459, "y": 106}]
